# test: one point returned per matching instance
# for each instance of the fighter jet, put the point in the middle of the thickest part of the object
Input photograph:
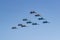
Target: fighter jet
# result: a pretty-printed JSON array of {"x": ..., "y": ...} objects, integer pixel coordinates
[
  {"x": 41, "y": 18},
  {"x": 23, "y": 26},
  {"x": 45, "y": 22},
  {"x": 28, "y": 22},
  {"x": 37, "y": 15},
  {"x": 14, "y": 27},
  {"x": 19, "y": 24},
  {"x": 32, "y": 12},
  {"x": 25, "y": 19},
  {"x": 34, "y": 24}
]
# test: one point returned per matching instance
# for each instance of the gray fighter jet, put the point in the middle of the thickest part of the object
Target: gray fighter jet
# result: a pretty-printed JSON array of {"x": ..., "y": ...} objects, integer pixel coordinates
[
  {"x": 37, "y": 15},
  {"x": 14, "y": 27},
  {"x": 19, "y": 24},
  {"x": 32, "y": 12},
  {"x": 23, "y": 26},
  {"x": 28, "y": 22},
  {"x": 34, "y": 24},
  {"x": 25, "y": 19},
  {"x": 41, "y": 18},
  {"x": 45, "y": 22}
]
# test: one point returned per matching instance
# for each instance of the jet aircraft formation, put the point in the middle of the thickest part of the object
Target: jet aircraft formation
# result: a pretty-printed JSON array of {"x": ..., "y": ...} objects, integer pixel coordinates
[{"x": 30, "y": 22}]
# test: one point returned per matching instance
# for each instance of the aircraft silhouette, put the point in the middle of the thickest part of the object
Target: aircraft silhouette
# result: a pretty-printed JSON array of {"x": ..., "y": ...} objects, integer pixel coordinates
[
  {"x": 23, "y": 26},
  {"x": 41, "y": 18},
  {"x": 34, "y": 24},
  {"x": 25, "y": 19},
  {"x": 37, "y": 15},
  {"x": 19, "y": 24},
  {"x": 14, "y": 27},
  {"x": 28, "y": 22},
  {"x": 32, "y": 12},
  {"x": 45, "y": 22}
]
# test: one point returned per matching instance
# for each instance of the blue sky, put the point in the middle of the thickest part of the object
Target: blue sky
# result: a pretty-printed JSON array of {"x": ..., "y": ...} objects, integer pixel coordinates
[{"x": 13, "y": 11}]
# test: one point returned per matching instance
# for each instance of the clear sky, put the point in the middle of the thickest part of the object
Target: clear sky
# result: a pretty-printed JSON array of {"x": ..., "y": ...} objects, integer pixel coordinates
[{"x": 13, "y": 11}]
